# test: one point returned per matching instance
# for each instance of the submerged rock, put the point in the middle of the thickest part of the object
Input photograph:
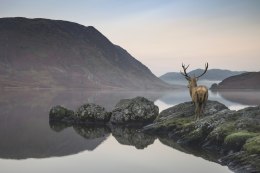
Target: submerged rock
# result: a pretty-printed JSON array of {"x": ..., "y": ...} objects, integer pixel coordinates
[
  {"x": 138, "y": 110},
  {"x": 92, "y": 113},
  {"x": 60, "y": 113}
]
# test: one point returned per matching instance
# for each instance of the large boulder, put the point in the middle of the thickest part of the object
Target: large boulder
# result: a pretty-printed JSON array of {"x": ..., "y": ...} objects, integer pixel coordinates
[
  {"x": 92, "y": 113},
  {"x": 134, "y": 111},
  {"x": 60, "y": 113}
]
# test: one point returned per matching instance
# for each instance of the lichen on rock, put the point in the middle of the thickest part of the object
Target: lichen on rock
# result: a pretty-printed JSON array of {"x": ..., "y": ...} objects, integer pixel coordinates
[
  {"x": 91, "y": 112},
  {"x": 138, "y": 110}
]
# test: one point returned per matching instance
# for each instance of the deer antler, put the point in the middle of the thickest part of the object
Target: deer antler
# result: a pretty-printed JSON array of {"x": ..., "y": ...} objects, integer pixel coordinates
[
  {"x": 185, "y": 73},
  {"x": 206, "y": 68}
]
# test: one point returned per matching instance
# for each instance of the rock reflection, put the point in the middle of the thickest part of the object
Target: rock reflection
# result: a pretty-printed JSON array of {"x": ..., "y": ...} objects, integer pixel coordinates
[
  {"x": 91, "y": 132},
  {"x": 58, "y": 126},
  {"x": 198, "y": 152},
  {"x": 124, "y": 135},
  {"x": 132, "y": 136}
]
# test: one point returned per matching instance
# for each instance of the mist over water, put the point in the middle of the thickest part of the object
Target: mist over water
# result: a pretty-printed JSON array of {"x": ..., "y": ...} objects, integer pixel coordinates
[{"x": 29, "y": 143}]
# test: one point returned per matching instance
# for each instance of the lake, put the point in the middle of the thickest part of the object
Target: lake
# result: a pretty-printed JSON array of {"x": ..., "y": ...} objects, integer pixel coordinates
[{"x": 30, "y": 144}]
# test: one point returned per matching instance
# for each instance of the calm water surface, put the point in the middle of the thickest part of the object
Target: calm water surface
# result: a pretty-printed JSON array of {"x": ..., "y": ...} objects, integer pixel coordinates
[{"x": 30, "y": 144}]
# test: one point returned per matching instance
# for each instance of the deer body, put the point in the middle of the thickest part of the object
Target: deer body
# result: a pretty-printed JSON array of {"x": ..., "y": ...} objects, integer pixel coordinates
[{"x": 199, "y": 94}]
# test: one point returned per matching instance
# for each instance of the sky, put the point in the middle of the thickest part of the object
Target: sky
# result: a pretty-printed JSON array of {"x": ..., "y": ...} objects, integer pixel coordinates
[{"x": 164, "y": 33}]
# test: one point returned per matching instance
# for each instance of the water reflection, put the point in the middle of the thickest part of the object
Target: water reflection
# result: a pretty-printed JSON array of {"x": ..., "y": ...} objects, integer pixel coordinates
[
  {"x": 91, "y": 132},
  {"x": 25, "y": 131},
  {"x": 211, "y": 156},
  {"x": 244, "y": 97},
  {"x": 132, "y": 136}
]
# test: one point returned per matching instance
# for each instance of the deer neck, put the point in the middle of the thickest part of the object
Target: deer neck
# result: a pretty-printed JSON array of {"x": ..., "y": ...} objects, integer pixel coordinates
[{"x": 192, "y": 88}]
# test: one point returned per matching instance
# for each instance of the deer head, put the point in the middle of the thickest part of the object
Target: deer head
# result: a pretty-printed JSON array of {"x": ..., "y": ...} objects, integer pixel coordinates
[{"x": 192, "y": 80}]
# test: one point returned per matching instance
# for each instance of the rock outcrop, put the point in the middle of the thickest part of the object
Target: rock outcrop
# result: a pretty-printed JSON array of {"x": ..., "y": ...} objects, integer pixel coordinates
[
  {"x": 135, "y": 112},
  {"x": 138, "y": 110},
  {"x": 234, "y": 134}
]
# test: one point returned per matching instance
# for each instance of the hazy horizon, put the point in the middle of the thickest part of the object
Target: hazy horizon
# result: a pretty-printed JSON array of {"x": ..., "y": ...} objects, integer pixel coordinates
[{"x": 163, "y": 34}]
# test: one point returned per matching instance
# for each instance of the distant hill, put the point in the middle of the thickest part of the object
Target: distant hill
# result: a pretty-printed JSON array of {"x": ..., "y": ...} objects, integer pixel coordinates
[
  {"x": 53, "y": 53},
  {"x": 250, "y": 80},
  {"x": 212, "y": 74}
]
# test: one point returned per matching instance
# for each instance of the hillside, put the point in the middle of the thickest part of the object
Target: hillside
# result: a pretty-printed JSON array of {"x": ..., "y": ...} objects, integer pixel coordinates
[
  {"x": 212, "y": 74},
  {"x": 46, "y": 53},
  {"x": 249, "y": 80}
]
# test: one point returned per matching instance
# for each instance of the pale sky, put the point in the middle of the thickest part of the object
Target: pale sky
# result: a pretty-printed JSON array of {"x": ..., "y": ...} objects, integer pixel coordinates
[{"x": 164, "y": 33}]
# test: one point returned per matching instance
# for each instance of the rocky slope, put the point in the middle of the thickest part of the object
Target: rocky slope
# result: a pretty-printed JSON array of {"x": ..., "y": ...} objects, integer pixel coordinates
[
  {"x": 46, "y": 53},
  {"x": 243, "y": 81}
]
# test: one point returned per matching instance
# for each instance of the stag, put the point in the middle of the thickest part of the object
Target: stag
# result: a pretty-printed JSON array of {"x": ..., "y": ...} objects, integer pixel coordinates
[{"x": 199, "y": 94}]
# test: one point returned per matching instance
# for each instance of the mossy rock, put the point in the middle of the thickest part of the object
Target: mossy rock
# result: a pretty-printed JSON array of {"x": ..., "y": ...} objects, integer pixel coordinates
[
  {"x": 235, "y": 141},
  {"x": 181, "y": 122},
  {"x": 249, "y": 124},
  {"x": 242, "y": 162},
  {"x": 60, "y": 113},
  {"x": 253, "y": 145},
  {"x": 218, "y": 135},
  {"x": 194, "y": 137}
]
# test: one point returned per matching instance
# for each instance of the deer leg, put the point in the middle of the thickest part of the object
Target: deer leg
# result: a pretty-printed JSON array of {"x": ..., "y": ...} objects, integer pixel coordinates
[
  {"x": 199, "y": 111},
  {"x": 196, "y": 111},
  {"x": 202, "y": 110}
]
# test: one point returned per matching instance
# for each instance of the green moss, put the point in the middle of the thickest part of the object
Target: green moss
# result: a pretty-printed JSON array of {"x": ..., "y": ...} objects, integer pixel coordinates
[
  {"x": 195, "y": 135},
  {"x": 225, "y": 129},
  {"x": 237, "y": 140},
  {"x": 253, "y": 145},
  {"x": 178, "y": 121},
  {"x": 219, "y": 134}
]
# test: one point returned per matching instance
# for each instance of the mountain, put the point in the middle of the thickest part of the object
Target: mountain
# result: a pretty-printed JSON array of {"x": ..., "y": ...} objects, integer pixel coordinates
[
  {"x": 250, "y": 80},
  {"x": 59, "y": 54},
  {"x": 212, "y": 74}
]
